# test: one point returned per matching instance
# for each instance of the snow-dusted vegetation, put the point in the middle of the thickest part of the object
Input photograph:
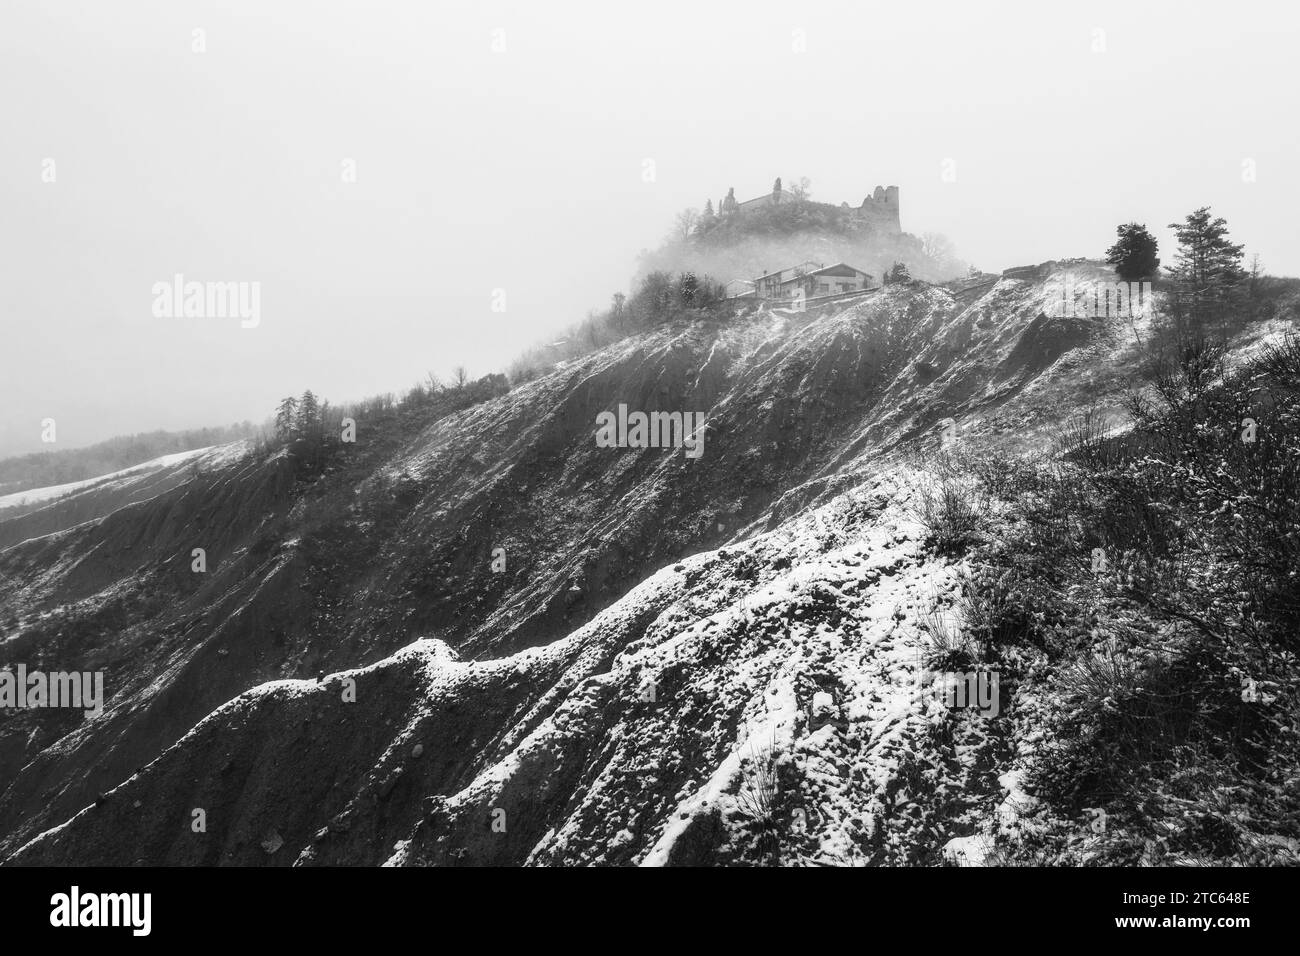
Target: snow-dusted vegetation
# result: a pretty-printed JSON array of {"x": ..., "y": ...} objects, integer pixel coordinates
[{"x": 956, "y": 582}]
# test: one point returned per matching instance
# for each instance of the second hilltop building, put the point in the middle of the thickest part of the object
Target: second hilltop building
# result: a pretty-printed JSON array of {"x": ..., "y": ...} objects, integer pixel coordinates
[
  {"x": 809, "y": 280},
  {"x": 812, "y": 280}
]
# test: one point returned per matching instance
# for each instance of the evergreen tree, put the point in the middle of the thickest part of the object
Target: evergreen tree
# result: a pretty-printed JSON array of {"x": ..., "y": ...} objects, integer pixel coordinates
[
  {"x": 286, "y": 418},
  {"x": 324, "y": 416},
  {"x": 776, "y": 190},
  {"x": 308, "y": 420},
  {"x": 1134, "y": 254},
  {"x": 688, "y": 287},
  {"x": 1207, "y": 262},
  {"x": 899, "y": 273}
]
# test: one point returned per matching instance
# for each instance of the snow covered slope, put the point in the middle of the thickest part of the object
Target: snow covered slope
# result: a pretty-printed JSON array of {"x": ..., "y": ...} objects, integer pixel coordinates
[
  {"x": 636, "y": 739},
  {"x": 38, "y": 495},
  {"x": 667, "y": 638}
]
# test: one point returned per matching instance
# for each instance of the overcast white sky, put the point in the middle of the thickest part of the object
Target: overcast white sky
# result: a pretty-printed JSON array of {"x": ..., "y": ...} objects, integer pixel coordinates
[{"x": 522, "y": 169}]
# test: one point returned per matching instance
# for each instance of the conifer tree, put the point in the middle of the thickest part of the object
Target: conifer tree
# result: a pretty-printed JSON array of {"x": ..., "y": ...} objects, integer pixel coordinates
[
  {"x": 307, "y": 423},
  {"x": 286, "y": 418},
  {"x": 1207, "y": 261},
  {"x": 1134, "y": 254},
  {"x": 898, "y": 273}
]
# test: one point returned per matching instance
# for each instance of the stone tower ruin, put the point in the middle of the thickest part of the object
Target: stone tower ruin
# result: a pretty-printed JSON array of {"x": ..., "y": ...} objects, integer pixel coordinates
[{"x": 881, "y": 209}]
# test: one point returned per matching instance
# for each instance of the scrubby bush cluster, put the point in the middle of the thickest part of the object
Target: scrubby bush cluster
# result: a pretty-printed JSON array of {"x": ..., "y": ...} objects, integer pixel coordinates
[
  {"x": 661, "y": 297},
  {"x": 312, "y": 429},
  {"x": 1154, "y": 579},
  {"x": 954, "y": 511}
]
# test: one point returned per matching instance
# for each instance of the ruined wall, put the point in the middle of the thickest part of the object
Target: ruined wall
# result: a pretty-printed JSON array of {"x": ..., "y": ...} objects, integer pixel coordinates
[
  {"x": 881, "y": 209},
  {"x": 762, "y": 202}
]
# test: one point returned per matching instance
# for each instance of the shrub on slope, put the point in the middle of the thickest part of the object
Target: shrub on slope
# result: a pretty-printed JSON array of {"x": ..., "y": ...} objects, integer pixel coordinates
[{"x": 1158, "y": 576}]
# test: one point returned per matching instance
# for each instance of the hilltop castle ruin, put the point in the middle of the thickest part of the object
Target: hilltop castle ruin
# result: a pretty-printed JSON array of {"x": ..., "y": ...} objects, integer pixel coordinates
[{"x": 880, "y": 209}]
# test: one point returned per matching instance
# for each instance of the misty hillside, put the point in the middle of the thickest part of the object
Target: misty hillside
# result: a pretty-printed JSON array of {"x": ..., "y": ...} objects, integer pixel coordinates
[
  {"x": 477, "y": 637},
  {"x": 65, "y": 466}
]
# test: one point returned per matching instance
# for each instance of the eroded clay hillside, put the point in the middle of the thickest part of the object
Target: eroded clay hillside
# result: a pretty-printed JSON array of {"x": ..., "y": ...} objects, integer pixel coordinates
[
  {"x": 621, "y": 743},
  {"x": 523, "y": 689}
]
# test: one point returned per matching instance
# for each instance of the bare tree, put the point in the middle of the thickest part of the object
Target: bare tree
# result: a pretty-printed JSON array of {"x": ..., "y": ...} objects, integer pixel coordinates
[
  {"x": 459, "y": 377},
  {"x": 618, "y": 312},
  {"x": 686, "y": 222},
  {"x": 936, "y": 246}
]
